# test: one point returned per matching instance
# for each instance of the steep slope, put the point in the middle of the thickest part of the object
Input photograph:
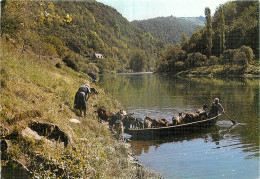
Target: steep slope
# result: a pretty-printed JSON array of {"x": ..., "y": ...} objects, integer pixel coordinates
[
  {"x": 38, "y": 121},
  {"x": 75, "y": 30},
  {"x": 169, "y": 29}
]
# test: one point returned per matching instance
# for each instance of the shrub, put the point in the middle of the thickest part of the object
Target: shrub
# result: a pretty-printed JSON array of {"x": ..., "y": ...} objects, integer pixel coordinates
[
  {"x": 248, "y": 51},
  {"x": 70, "y": 62},
  {"x": 179, "y": 66},
  {"x": 228, "y": 57},
  {"x": 58, "y": 65},
  {"x": 48, "y": 49},
  {"x": 240, "y": 58},
  {"x": 213, "y": 60},
  {"x": 138, "y": 62},
  {"x": 195, "y": 60}
]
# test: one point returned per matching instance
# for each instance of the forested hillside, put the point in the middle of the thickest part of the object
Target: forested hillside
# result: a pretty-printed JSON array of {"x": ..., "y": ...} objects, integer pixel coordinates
[
  {"x": 169, "y": 29},
  {"x": 227, "y": 45},
  {"x": 75, "y": 30},
  {"x": 194, "y": 20}
]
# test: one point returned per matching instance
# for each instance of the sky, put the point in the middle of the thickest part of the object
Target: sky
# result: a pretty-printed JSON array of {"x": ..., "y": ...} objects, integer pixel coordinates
[{"x": 146, "y": 9}]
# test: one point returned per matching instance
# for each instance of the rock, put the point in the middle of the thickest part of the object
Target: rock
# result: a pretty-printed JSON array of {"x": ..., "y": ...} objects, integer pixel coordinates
[
  {"x": 29, "y": 133},
  {"x": 91, "y": 172},
  {"x": 52, "y": 131},
  {"x": 5, "y": 148},
  {"x": 15, "y": 169},
  {"x": 74, "y": 120}
]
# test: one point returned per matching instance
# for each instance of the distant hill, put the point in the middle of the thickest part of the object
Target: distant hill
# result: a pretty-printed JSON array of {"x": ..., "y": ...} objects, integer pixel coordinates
[
  {"x": 170, "y": 29},
  {"x": 75, "y": 30},
  {"x": 194, "y": 20}
]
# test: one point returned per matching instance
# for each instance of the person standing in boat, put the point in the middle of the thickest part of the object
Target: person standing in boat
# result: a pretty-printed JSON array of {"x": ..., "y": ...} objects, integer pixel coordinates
[
  {"x": 215, "y": 108},
  {"x": 81, "y": 99}
]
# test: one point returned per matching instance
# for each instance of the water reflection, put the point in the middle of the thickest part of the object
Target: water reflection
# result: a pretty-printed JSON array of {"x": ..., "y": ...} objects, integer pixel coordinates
[
  {"x": 164, "y": 96},
  {"x": 209, "y": 135}
]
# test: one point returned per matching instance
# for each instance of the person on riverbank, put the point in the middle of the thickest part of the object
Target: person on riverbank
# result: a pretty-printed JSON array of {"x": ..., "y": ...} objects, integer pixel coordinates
[
  {"x": 81, "y": 99},
  {"x": 215, "y": 108}
]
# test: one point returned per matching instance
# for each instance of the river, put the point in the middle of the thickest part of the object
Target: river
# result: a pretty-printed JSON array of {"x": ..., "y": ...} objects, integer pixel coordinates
[{"x": 218, "y": 152}]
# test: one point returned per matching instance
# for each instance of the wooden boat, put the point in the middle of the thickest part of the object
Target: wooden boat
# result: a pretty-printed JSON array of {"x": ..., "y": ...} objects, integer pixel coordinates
[{"x": 155, "y": 133}]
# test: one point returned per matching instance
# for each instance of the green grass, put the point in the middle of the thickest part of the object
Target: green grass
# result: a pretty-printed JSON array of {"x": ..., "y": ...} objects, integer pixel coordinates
[
  {"x": 34, "y": 89},
  {"x": 222, "y": 70}
]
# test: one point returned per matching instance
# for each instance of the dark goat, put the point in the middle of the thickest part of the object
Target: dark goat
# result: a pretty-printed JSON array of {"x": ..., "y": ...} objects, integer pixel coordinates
[
  {"x": 103, "y": 114},
  {"x": 176, "y": 120}
]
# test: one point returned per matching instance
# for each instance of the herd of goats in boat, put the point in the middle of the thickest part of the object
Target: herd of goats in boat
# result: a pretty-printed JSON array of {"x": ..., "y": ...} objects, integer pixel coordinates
[{"x": 121, "y": 120}]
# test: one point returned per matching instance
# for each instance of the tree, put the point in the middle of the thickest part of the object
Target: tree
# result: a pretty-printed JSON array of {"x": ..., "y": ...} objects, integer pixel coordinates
[
  {"x": 195, "y": 60},
  {"x": 209, "y": 31},
  {"x": 248, "y": 51},
  {"x": 221, "y": 30},
  {"x": 138, "y": 62}
]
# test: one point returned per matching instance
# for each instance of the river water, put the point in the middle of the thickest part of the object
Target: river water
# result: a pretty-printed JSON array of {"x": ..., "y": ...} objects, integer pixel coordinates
[{"x": 218, "y": 152}]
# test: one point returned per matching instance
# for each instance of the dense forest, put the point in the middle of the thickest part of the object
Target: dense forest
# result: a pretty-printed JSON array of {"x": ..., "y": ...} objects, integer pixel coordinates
[
  {"x": 194, "y": 20},
  {"x": 227, "y": 45},
  {"x": 75, "y": 30},
  {"x": 169, "y": 29}
]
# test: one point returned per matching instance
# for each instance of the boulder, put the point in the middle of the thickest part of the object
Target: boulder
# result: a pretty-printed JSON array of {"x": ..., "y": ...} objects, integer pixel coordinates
[
  {"x": 73, "y": 120},
  {"x": 52, "y": 131}
]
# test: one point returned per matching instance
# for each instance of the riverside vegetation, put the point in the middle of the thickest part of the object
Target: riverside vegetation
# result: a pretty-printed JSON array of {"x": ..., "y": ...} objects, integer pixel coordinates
[
  {"x": 227, "y": 45},
  {"x": 34, "y": 89}
]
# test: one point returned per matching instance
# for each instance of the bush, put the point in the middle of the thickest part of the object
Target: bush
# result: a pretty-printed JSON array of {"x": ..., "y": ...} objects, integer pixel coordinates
[
  {"x": 228, "y": 57},
  {"x": 213, "y": 60},
  {"x": 195, "y": 60},
  {"x": 58, "y": 65},
  {"x": 248, "y": 51},
  {"x": 107, "y": 65},
  {"x": 138, "y": 62},
  {"x": 70, "y": 62},
  {"x": 240, "y": 58},
  {"x": 48, "y": 49}
]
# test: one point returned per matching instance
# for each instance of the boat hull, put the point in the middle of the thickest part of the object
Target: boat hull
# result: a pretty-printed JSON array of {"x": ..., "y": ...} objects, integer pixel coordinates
[{"x": 155, "y": 133}]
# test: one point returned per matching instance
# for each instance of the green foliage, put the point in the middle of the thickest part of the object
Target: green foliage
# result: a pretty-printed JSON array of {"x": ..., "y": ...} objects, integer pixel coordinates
[
  {"x": 213, "y": 60},
  {"x": 221, "y": 30},
  {"x": 57, "y": 43},
  {"x": 168, "y": 29},
  {"x": 195, "y": 60},
  {"x": 248, "y": 51},
  {"x": 233, "y": 36},
  {"x": 107, "y": 65},
  {"x": 173, "y": 61},
  {"x": 209, "y": 31},
  {"x": 78, "y": 27},
  {"x": 137, "y": 62},
  {"x": 71, "y": 62},
  {"x": 227, "y": 57},
  {"x": 240, "y": 58}
]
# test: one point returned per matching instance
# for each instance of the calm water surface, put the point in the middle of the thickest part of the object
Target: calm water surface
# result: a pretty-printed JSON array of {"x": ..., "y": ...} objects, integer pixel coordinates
[{"x": 218, "y": 152}]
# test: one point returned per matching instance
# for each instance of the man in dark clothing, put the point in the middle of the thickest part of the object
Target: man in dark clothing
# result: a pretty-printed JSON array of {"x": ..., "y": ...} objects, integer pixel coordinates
[
  {"x": 215, "y": 108},
  {"x": 81, "y": 99}
]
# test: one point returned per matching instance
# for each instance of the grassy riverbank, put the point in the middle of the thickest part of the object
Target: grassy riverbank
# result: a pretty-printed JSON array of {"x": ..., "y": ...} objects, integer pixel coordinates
[
  {"x": 35, "y": 89},
  {"x": 223, "y": 70}
]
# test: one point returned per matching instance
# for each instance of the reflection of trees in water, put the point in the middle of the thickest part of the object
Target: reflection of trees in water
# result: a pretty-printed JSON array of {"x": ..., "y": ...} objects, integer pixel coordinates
[
  {"x": 143, "y": 146},
  {"x": 208, "y": 135}
]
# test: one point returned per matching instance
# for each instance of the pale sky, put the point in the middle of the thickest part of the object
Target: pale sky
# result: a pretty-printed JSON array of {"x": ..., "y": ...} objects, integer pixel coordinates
[{"x": 146, "y": 9}]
